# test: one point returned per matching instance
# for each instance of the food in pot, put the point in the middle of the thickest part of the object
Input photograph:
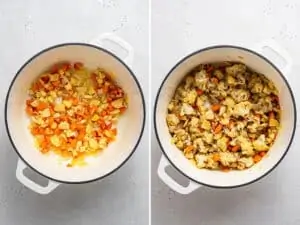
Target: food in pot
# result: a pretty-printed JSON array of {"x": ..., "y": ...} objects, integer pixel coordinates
[
  {"x": 74, "y": 110},
  {"x": 224, "y": 116}
]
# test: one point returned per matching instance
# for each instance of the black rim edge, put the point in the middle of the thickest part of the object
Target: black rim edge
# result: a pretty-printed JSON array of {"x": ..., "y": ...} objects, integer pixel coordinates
[
  {"x": 214, "y": 47},
  {"x": 98, "y": 48}
]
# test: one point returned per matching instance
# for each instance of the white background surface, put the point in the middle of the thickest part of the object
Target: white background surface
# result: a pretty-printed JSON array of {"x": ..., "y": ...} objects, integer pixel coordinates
[
  {"x": 26, "y": 28},
  {"x": 180, "y": 27}
]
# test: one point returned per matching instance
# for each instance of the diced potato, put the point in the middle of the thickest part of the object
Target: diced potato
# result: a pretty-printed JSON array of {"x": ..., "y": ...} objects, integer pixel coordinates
[
  {"x": 209, "y": 115},
  {"x": 45, "y": 113},
  {"x": 67, "y": 103},
  {"x": 201, "y": 160},
  {"x": 64, "y": 126},
  {"x": 260, "y": 143},
  {"x": 93, "y": 143},
  {"x": 172, "y": 120},
  {"x": 273, "y": 123},
  {"x": 55, "y": 140},
  {"x": 242, "y": 109},
  {"x": 118, "y": 103},
  {"x": 206, "y": 125},
  {"x": 94, "y": 102},
  {"x": 226, "y": 158},
  {"x": 59, "y": 107},
  {"x": 222, "y": 143}
]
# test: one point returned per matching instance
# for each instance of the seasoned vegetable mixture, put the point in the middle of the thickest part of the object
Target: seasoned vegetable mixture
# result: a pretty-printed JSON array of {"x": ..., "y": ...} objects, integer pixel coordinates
[
  {"x": 224, "y": 116},
  {"x": 74, "y": 110}
]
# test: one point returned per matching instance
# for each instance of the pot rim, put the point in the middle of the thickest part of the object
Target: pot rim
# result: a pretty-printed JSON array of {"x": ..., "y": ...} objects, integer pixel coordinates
[
  {"x": 85, "y": 45},
  {"x": 203, "y": 50}
]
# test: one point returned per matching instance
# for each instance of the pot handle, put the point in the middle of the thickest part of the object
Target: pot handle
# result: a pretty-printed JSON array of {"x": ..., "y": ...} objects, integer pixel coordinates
[
  {"x": 273, "y": 45},
  {"x": 118, "y": 41},
  {"x": 163, "y": 164},
  {"x": 32, "y": 185}
]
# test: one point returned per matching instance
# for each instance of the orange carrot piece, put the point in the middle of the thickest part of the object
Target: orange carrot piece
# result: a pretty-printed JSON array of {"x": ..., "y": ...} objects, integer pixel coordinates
[
  {"x": 114, "y": 131},
  {"x": 256, "y": 158},
  {"x": 29, "y": 110},
  {"x": 189, "y": 148},
  {"x": 225, "y": 169},
  {"x": 214, "y": 80},
  {"x": 236, "y": 148},
  {"x": 81, "y": 135},
  {"x": 216, "y": 107},
  {"x": 78, "y": 65},
  {"x": 271, "y": 115},
  {"x": 216, "y": 157},
  {"x": 231, "y": 124},
  {"x": 218, "y": 128},
  {"x": 262, "y": 154},
  {"x": 35, "y": 131},
  {"x": 56, "y": 83},
  {"x": 42, "y": 106},
  {"x": 210, "y": 68},
  {"x": 200, "y": 92}
]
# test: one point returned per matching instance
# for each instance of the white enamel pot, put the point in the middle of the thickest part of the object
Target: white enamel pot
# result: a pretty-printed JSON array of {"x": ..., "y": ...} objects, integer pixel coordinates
[
  {"x": 256, "y": 61},
  {"x": 109, "y": 159}
]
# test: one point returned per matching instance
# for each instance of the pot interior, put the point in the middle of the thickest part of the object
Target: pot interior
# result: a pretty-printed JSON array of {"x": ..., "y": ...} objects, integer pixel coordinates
[
  {"x": 110, "y": 158},
  {"x": 256, "y": 63}
]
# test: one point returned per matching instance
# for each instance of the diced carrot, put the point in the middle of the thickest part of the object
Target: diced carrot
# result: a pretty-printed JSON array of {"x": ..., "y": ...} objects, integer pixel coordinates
[
  {"x": 45, "y": 79},
  {"x": 35, "y": 130},
  {"x": 225, "y": 169},
  {"x": 123, "y": 109},
  {"x": 73, "y": 126},
  {"x": 114, "y": 131},
  {"x": 109, "y": 99},
  {"x": 214, "y": 80},
  {"x": 218, "y": 128},
  {"x": 108, "y": 126},
  {"x": 103, "y": 113},
  {"x": 28, "y": 102},
  {"x": 262, "y": 154},
  {"x": 216, "y": 157},
  {"x": 200, "y": 92},
  {"x": 44, "y": 149},
  {"x": 214, "y": 125},
  {"x": 57, "y": 131},
  {"x": 78, "y": 65},
  {"x": 216, "y": 107},
  {"x": 209, "y": 69},
  {"x": 236, "y": 148},
  {"x": 189, "y": 148},
  {"x": 66, "y": 66},
  {"x": 256, "y": 158},
  {"x": 275, "y": 98},
  {"x": 75, "y": 101},
  {"x": 36, "y": 86},
  {"x": 271, "y": 115},
  {"x": 73, "y": 143},
  {"x": 56, "y": 83},
  {"x": 93, "y": 109},
  {"x": 102, "y": 126},
  {"x": 42, "y": 106},
  {"x": 48, "y": 131},
  {"x": 231, "y": 124},
  {"x": 81, "y": 135},
  {"x": 47, "y": 139},
  {"x": 29, "y": 110},
  {"x": 51, "y": 120},
  {"x": 94, "y": 133}
]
